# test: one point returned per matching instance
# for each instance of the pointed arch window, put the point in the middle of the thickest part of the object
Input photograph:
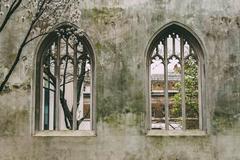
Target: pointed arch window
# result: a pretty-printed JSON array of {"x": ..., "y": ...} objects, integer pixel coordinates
[
  {"x": 175, "y": 65},
  {"x": 64, "y": 80}
]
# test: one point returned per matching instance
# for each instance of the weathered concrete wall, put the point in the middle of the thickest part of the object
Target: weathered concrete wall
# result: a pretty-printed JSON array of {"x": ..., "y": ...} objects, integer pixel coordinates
[{"x": 120, "y": 31}]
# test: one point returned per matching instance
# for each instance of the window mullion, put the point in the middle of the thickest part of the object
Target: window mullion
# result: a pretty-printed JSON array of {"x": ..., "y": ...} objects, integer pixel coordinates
[
  {"x": 166, "y": 85},
  {"x": 199, "y": 95},
  {"x": 41, "y": 111},
  {"x": 174, "y": 46},
  {"x": 47, "y": 97},
  {"x": 75, "y": 70},
  {"x": 57, "y": 94},
  {"x": 183, "y": 105}
]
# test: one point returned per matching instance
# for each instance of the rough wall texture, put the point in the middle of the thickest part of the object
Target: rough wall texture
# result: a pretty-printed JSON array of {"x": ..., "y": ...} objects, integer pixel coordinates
[{"x": 120, "y": 31}]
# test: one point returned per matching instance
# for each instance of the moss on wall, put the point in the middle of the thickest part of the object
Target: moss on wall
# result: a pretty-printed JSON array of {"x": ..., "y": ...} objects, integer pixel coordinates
[
  {"x": 227, "y": 111},
  {"x": 12, "y": 122},
  {"x": 120, "y": 34},
  {"x": 103, "y": 15}
]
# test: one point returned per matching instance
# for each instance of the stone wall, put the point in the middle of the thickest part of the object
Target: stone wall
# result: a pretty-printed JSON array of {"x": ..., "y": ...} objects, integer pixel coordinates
[{"x": 120, "y": 31}]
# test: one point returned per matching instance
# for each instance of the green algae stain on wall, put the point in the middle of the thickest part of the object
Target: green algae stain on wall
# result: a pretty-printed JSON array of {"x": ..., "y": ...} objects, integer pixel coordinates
[
  {"x": 12, "y": 122},
  {"x": 103, "y": 15},
  {"x": 227, "y": 112}
]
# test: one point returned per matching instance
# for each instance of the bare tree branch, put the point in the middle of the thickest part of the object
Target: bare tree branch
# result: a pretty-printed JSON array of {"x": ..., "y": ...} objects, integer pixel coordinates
[
  {"x": 37, "y": 21},
  {"x": 40, "y": 35},
  {"x": 81, "y": 77},
  {"x": 12, "y": 9},
  {"x": 16, "y": 59},
  {"x": 63, "y": 102},
  {"x": 23, "y": 44}
]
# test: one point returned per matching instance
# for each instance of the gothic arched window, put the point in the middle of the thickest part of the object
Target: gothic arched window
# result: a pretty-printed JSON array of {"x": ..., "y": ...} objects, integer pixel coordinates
[
  {"x": 175, "y": 67},
  {"x": 64, "y": 80}
]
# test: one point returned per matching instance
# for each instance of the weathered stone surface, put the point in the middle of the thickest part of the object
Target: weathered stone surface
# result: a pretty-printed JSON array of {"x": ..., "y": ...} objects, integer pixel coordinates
[{"x": 120, "y": 31}]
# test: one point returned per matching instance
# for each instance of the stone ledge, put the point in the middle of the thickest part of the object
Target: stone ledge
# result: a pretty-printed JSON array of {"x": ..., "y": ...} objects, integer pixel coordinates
[
  {"x": 156, "y": 133},
  {"x": 65, "y": 134}
]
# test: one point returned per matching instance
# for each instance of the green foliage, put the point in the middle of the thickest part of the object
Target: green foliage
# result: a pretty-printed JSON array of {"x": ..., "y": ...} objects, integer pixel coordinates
[{"x": 191, "y": 90}]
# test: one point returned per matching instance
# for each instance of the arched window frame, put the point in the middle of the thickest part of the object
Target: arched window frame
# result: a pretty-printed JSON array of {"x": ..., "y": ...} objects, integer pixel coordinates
[
  {"x": 198, "y": 47},
  {"x": 37, "y": 77}
]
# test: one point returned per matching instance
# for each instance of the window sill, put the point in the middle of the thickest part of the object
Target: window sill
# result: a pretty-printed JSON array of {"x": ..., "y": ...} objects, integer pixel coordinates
[
  {"x": 64, "y": 134},
  {"x": 158, "y": 133}
]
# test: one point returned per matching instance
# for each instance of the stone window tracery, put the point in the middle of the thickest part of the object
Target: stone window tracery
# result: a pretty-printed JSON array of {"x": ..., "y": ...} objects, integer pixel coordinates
[
  {"x": 175, "y": 77},
  {"x": 64, "y": 82}
]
